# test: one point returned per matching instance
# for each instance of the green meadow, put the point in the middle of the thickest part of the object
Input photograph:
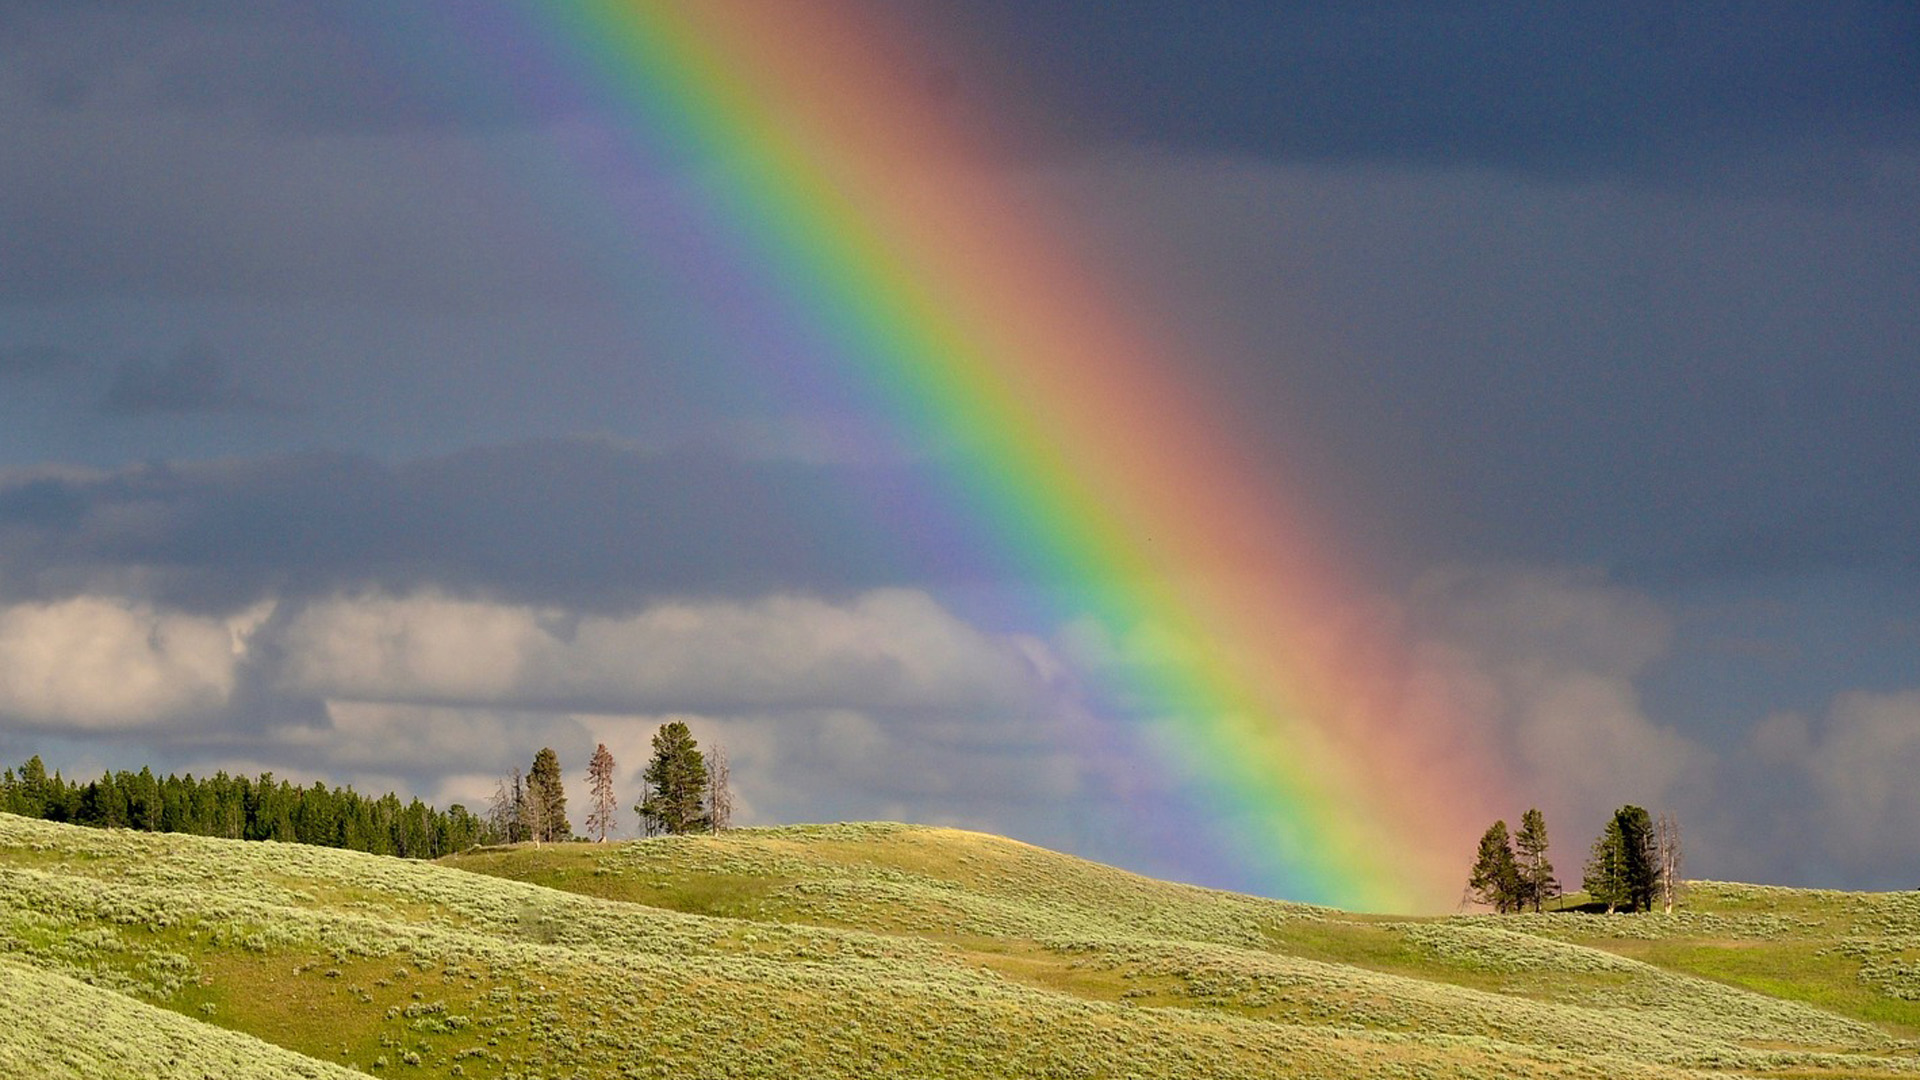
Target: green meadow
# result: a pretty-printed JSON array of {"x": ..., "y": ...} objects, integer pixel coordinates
[{"x": 890, "y": 950}]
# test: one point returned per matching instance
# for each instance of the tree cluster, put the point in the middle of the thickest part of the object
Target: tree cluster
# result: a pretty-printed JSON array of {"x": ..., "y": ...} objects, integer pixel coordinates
[
  {"x": 1632, "y": 866},
  {"x": 240, "y": 808},
  {"x": 1511, "y": 873},
  {"x": 1635, "y": 863},
  {"x": 532, "y": 805},
  {"x": 686, "y": 791}
]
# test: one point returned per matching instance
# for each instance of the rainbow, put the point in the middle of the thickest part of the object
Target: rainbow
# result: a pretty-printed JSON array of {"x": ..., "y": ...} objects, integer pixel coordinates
[{"x": 966, "y": 316}]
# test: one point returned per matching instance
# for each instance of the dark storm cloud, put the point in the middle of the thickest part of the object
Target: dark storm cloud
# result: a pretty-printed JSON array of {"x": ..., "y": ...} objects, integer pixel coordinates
[
  {"x": 1670, "y": 383},
  {"x": 575, "y": 523},
  {"x": 172, "y": 207},
  {"x": 35, "y": 361},
  {"x": 270, "y": 151},
  {"x": 1579, "y": 89},
  {"x": 1588, "y": 88},
  {"x": 1686, "y": 467},
  {"x": 194, "y": 380},
  {"x": 293, "y": 67}
]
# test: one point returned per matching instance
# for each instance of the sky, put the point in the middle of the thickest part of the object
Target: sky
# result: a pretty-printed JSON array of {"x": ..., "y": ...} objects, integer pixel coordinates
[{"x": 368, "y": 416}]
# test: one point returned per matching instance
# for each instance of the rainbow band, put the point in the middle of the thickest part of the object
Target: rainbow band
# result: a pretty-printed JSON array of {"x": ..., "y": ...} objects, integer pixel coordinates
[{"x": 966, "y": 317}]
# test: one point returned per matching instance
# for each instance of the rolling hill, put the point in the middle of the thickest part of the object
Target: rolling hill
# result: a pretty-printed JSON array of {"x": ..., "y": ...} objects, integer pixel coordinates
[{"x": 890, "y": 950}]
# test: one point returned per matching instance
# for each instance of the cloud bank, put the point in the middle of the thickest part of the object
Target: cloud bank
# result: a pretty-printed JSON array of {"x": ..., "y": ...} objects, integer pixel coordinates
[{"x": 102, "y": 664}]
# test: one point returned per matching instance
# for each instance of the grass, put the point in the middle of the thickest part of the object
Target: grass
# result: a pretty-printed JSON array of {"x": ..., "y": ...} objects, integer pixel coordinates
[
  {"x": 1851, "y": 954},
  {"x": 890, "y": 950}
]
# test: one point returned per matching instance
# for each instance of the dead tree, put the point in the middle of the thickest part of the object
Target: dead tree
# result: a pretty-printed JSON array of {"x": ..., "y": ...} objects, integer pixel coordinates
[{"x": 1667, "y": 852}]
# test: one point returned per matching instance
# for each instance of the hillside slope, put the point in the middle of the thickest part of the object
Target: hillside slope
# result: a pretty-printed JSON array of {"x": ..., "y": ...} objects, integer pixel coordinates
[{"x": 894, "y": 950}]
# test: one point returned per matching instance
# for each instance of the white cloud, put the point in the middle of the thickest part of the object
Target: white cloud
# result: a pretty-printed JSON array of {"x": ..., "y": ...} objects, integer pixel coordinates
[
  {"x": 1556, "y": 616},
  {"x": 890, "y": 648},
  {"x": 361, "y": 735},
  {"x": 885, "y": 705},
  {"x": 105, "y": 663},
  {"x": 1582, "y": 739},
  {"x": 787, "y": 765},
  {"x": 1863, "y": 767},
  {"x": 1550, "y": 662},
  {"x": 424, "y": 647},
  {"x": 850, "y": 764}
]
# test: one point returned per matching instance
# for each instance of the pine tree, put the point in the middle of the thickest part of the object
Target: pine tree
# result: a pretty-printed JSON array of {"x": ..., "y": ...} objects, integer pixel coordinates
[
  {"x": 1604, "y": 877},
  {"x": 457, "y": 830},
  {"x": 1642, "y": 859},
  {"x": 1496, "y": 879},
  {"x": 544, "y": 786},
  {"x": 33, "y": 796},
  {"x": 143, "y": 800},
  {"x": 1530, "y": 854},
  {"x": 1624, "y": 869},
  {"x": 676, "y": 784},
  {"x": 600, "y": 786}
]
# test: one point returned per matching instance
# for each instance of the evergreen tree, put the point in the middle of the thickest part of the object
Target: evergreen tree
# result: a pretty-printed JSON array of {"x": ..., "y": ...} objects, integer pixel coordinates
[
  {"x": 531, "y": 804},
  {"x": 59, "y": 800},
  {"x": 143, "y": 799},
  {"x": 1530, "y": 854},
  {"x": 600, "y": 791},
  {"x": 33, "y": 788},
  {"x": 1496, "y": 878},
  {"x": 676, "y": 784},
  {"x": 544, "y": 785},
  {"x": 413, "y": 832},
  {"x": 176, "y": 797},
  {"x": 1643, "y": 857},
  {"x": 314, "y": 816},
  {"x": 224, "y": 807},
  {"x": 1624, "y": 870},
  {"x": 385, "y": 833},
  {"x": 1604, "y": 877},
  {"x": 456, "y": 830},
  {"x": 102, "y": 804}
]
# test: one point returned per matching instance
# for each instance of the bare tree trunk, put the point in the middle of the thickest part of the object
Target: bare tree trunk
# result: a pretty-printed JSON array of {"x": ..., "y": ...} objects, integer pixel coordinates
[
  {"x": 500, "y": 814},
  {"x": 719, "y": 789},
  {"x": 1667, "y": 846},
  {"x": 533, "y": 810}
]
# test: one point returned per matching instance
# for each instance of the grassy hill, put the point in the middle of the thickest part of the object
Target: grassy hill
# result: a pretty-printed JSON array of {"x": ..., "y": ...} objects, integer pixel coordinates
[{"x": 876, "y": 950}]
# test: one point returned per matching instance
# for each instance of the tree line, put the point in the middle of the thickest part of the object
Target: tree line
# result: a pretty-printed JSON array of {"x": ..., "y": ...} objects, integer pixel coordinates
[
  {"x": 686, "y": 790},
  {"x": 1632, "y": 866},
  {"x": 242, "y": 808}
]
